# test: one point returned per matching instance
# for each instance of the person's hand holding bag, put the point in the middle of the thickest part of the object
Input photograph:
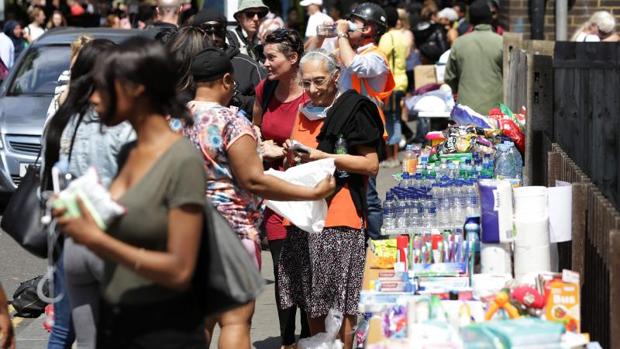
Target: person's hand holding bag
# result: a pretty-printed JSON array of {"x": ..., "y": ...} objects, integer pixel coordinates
[{"x": 82, "y": 229}]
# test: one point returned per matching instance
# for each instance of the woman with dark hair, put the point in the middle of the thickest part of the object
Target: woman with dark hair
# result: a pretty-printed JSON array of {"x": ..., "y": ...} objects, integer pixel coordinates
[
  {"x": 75, "y": 136},
  {"x": 236, "y": 181},
  {"x": 150, "y": 252},
  {"x": 57, "y": 20},
  {"x": 277, "y": 102},
  {"x": 15, "y": 32},
  {"x": 184, "y": 45}
]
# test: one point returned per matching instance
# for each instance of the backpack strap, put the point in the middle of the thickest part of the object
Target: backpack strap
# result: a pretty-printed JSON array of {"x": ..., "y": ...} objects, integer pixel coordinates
[{"x": 269, "y": 89}]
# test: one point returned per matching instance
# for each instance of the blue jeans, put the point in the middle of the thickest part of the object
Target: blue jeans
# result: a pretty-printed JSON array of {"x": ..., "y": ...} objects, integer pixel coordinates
[
  {"x": 62, "y": 335},
  {"x": 375, "y": 211}
]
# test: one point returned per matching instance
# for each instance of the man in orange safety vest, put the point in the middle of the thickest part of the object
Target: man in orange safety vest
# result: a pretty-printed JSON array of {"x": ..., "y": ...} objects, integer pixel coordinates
[{"x": 365, "y": 69}]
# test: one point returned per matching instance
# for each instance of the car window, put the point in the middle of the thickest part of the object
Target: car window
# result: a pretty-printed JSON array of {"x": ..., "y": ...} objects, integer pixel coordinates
[{"x": 39, "y": 71}]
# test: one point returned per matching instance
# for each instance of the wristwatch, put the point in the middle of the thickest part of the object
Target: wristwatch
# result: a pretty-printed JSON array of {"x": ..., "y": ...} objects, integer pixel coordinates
[{"x": 343, "y": 35}]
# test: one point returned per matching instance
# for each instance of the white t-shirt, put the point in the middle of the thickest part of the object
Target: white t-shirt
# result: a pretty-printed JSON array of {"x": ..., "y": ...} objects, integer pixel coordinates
[
  {"x": 583, "y": 37},
  {"x": 7, "y": 50},
  {"x": 314, "y": 21},
  {"x": 35, "y": 31}
]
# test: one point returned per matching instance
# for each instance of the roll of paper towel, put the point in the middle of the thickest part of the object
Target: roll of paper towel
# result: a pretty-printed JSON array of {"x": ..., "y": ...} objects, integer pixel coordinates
[
  {"x": 532, "y": 231},
  {"x": 532, "y": 259},
  {"x": 495, "y": 259}
]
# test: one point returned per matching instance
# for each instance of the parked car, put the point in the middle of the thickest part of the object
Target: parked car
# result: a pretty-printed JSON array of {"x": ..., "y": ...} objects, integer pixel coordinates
[{"x": 26, "y": 95}]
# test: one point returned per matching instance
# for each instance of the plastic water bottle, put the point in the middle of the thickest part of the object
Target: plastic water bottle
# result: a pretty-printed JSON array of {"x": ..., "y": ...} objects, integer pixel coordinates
[
  {"x": 388, "y": 211},
  {"x": 341, "y": 148},
  {"x": 473, "y": 205},
  {"x": 505, "y": 167},
  {"x": 410, "y": 161},
  {"x": 518, "y": 159},
  {"x": 401, "y": 217}
]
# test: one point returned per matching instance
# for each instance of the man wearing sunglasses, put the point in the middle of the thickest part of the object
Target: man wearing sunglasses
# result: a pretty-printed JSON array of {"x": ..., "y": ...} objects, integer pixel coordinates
[
  {"x": 245, "y": 35},
  {"x": 248, "y": 73}
]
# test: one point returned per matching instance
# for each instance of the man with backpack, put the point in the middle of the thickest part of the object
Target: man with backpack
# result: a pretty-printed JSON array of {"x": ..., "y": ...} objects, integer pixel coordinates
[
  {"x": 248, "y": 72},
  {"x": 245, "y": 35}
]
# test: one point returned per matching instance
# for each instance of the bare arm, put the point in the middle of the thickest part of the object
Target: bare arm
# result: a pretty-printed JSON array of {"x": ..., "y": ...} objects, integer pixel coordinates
[
  {"x": 345, "y": 51},
  {"x": 7, "y": 336},
  {"x": 172, "y": 268},
  {"x": 248, "y": 170},
  {"x": 367, "y": 163}
]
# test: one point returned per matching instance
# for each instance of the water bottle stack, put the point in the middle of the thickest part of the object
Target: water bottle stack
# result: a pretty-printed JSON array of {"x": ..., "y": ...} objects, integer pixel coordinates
[{"x": 436, "y": 196}]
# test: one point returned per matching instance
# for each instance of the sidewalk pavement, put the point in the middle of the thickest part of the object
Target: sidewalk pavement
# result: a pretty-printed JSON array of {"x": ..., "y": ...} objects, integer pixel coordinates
[{"x": 265, "y": 326}]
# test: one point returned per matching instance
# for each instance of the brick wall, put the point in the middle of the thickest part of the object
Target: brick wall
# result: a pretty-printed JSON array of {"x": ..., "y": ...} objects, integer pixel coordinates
[{"x": 515, "y": 15}]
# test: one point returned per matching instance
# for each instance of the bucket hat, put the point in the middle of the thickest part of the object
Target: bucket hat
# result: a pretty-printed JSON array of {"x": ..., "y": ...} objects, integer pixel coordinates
[{"x": 247, "y": 4}]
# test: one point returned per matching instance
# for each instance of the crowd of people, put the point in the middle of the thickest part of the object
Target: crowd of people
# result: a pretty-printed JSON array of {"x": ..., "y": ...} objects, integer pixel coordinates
[{"x": 200, "y": 112}]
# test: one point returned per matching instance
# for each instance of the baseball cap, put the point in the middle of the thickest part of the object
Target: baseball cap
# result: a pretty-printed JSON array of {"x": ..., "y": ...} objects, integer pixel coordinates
[{"x": 210, "y": 64}]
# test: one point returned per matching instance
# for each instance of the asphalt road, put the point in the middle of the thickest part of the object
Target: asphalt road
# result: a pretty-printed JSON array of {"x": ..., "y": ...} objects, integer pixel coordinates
[{"x": 17, "y": 265}]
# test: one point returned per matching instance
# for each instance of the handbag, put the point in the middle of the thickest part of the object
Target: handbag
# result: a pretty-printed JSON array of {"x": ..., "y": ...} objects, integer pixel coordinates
[
  {"x": 22, "y": 216},
  {"x": 225, "y": 276}
]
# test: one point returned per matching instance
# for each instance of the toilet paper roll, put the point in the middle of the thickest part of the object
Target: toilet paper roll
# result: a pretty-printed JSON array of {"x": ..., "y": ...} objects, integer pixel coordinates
[
  {"x": 495, "y": 259},
  {"x": 531, "y": 231},
  {"x": 532, "y": 260},
  {"x": 530, "y": 200}
]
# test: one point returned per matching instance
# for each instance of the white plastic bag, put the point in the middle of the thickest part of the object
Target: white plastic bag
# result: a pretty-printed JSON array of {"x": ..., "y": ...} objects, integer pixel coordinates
[
  {"x": 308, "y": 216},
  {"x": 327, "y": 339}
]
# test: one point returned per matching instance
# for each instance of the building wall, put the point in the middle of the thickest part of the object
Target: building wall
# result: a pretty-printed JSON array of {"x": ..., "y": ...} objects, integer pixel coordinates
[{"x": 515, "y": 14}]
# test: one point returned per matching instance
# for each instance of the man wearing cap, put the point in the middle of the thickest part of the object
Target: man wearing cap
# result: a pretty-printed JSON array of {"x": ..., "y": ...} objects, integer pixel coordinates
[
  {"x": 167, "y": 13},
  {"x": 365, "y": 69},
  {"x": 245, "y": 35},
  {"x": 474, "y": 68},
  {"x": 316, "y": 17},
  {"x": 248, "y": 73}
]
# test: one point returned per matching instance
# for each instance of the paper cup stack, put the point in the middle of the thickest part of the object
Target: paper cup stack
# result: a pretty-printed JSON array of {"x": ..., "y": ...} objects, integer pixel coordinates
[{"x": 531, "y": 220}]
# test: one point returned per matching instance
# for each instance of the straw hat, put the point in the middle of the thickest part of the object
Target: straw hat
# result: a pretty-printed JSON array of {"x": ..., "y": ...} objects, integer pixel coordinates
[{"x": 248, "y": 4}]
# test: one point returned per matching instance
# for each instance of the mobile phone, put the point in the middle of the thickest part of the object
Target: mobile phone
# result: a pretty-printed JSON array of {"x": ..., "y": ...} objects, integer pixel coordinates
[
  {"x": 60, "y": 176},
  {"x": 300, "y": 148}
]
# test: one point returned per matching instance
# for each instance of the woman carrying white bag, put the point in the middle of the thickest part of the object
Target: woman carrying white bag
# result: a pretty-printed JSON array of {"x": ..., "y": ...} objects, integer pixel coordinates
[{"x": 324, "y": 270}]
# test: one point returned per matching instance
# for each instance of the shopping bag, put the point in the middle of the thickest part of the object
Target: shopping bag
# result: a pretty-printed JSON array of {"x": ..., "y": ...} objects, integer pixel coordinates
[
  {"x": 327, "y": 339},
  {"x": 22, "y": 216},
  {"x": 308, "y": 216},
  {"x": 225, "y": 276}
]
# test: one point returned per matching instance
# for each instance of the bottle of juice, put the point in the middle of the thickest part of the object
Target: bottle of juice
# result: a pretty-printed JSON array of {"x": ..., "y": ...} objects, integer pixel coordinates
[{"x": 410, "y": 162}]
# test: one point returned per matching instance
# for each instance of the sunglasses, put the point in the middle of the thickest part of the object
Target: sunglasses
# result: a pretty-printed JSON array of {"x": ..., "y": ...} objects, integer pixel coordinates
[
  {"x": 212, "y": 29},
  {"x": 252, "y": 13}
]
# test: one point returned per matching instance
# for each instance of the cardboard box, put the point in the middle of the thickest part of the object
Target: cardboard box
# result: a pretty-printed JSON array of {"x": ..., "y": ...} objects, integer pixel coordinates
[{"x": 424, "y": 75}]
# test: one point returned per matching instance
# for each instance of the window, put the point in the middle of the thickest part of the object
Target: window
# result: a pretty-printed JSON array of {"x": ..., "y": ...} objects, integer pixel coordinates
[{"x": 38, "y": 72}]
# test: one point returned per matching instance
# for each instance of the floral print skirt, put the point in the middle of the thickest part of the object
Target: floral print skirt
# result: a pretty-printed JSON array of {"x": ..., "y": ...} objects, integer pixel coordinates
[{"x": 322, "y": 271}]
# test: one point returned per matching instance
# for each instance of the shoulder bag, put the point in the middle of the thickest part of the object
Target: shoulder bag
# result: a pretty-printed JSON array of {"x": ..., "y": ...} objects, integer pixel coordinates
[
  {"x": 225, "y": 276},
  {"x": 22, "y": 216}
]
